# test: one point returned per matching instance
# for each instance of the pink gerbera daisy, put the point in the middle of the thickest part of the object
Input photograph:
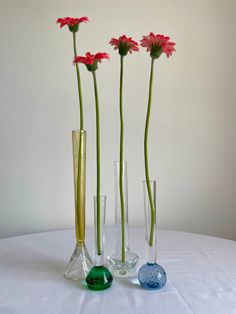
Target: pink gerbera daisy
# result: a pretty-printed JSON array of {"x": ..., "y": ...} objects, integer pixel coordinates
[
  {"x": 124, "y": 44},
  {"x": 72, "y": 22},
  {"x": 157, "y": 44}
]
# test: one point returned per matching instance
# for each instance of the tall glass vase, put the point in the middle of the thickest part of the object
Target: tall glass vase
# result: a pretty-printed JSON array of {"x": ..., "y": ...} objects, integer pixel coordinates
[
  {"x": 122, "y": 262},
  {"x": 99, "y": 277},
  {"x": 80, "y": 262},
  {"x": 151, "y": 275}
]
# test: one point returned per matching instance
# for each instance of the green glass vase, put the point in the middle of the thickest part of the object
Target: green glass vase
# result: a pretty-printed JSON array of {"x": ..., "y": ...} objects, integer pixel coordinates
[{"x": 99, "y": 278}]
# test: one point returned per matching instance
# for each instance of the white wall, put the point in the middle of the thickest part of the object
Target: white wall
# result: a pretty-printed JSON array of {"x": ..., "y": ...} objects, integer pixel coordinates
[{"x": 192, "y": 131}]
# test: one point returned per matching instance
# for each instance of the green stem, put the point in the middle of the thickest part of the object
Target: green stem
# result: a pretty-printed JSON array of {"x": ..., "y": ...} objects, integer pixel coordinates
[
  {"x": 79, "y": 85},
  {"x": 98, "y": 163},
  {"x": 153, "y": 209},
  {"x": 122, "y": 203}
]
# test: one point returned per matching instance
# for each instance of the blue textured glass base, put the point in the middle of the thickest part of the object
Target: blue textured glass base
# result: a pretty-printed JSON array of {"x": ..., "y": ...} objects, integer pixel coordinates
[{"x": 152, "y": 276}]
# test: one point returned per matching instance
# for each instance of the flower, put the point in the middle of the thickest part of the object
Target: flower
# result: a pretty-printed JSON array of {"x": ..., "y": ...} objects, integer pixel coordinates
[
  {"x": 72, "y": 22},
  {"x": 157, "y": 44},
  {"x": 124, "y": 44},
  {"x": 73, "y": 25},
  {"x": 90, "y": 60}
]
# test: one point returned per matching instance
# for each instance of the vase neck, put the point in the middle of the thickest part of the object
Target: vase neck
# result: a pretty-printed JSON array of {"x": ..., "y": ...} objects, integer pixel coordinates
[
  {"x": 99, "y": 227},
  {"x": 119, "y": 236},
  {"x": 151, "y": 253},
  {"x": 150, "y": 221},
  {"x": 118, "y": 209},
  {"x": 99, "y": 259},
  {"x": 79, "y": 169}
]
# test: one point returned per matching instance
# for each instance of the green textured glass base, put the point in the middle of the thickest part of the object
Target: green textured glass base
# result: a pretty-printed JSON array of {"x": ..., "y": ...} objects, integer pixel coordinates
[{"x": 99, "y": 278}]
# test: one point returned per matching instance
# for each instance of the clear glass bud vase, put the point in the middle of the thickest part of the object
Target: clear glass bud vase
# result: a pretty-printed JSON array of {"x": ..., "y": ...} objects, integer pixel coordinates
[
  {"x": 122, "y": 261},
  {"x": 151, "y": 275},
  {"x": 99, "y": 277},
  {"x": 80, "y": 262}
]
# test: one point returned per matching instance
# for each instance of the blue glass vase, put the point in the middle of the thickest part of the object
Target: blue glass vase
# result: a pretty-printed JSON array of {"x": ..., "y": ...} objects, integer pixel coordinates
[{"x": 151, "y": 275}]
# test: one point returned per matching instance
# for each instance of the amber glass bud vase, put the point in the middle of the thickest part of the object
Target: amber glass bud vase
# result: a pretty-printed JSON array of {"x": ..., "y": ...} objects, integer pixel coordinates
[{"x": 80, "y": 262}]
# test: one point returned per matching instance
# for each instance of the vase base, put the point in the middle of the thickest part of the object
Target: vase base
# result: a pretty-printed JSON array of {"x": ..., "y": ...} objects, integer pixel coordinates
[
  {"x": 123, "y": 269},
  {"x": 99, "y": 278},
  {"x": 123, "y": 272},
  {"x": 80, "y": 263},
  {"x": 152, "y": 276}
]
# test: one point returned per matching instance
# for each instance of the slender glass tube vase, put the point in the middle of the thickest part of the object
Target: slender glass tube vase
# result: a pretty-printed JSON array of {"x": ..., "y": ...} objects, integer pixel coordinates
[
  {"x": 122, "y": 261},
  {"x": 151, "y": 275},
  {"x": 99, "y": 277},
  {"x": 80, "y": 262}
]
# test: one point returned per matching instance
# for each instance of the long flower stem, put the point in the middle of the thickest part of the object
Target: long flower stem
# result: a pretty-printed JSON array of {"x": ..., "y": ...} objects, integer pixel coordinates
[
  {"x": 122, "y": 203},
  {"x": 80, "y": 236},
  {"x": 98, "y": 163},
  {"x": 153, "y": 209},
  {"x": 79, "y": 85}
]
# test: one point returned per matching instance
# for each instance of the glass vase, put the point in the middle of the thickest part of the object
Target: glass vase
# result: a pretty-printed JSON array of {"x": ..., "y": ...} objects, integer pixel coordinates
[
  {"x": 99, "y": 277},
  {"x": 80, "y": 262},
  {"x": 151, "y": 275},
  {"x": 122, "y": 262}
]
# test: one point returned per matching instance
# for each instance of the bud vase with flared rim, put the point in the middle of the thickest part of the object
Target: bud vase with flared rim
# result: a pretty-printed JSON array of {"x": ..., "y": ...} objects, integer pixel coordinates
[
  {"x": 151, "y": 275},
  {"x": 99, "y": 277},
  {"x": 122, "y": 263},
  {"x": 80, "y": 262}
]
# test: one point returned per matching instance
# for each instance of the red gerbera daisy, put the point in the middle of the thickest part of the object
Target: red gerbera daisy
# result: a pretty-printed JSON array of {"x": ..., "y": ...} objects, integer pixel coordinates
[
  {"x": 90, "y": 60},
  {"x": 124, "y": 44},
  {"x": 72, "y": 22},
  {"x": 157, "y": 44}
]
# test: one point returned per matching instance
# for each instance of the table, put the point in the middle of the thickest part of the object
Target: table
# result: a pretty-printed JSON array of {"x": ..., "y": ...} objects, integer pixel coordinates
[{"x": 201, "y": 276}]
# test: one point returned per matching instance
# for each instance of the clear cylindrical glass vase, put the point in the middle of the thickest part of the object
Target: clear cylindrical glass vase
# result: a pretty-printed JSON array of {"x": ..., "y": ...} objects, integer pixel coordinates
[
  {"x": 151, "y": 275},
  {"x": 99, "y": 277},
  {"x": 80, "y": 262},
  {"x": 122, "y": 261}
]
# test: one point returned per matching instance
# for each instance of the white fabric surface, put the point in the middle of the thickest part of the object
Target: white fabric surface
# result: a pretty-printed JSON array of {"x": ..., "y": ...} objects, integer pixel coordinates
[{"x": 201, "y": 274}]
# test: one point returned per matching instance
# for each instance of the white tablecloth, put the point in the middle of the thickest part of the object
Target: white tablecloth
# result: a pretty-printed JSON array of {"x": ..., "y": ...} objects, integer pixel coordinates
[{"x": 201, "y": 276}]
